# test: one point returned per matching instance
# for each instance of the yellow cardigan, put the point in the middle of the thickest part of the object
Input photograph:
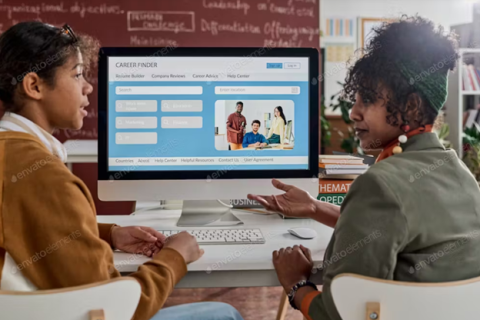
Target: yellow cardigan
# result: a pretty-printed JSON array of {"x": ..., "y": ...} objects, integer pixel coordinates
[
  {"x": 42, "y": 204},
  {"x": 277, "y": 127}
]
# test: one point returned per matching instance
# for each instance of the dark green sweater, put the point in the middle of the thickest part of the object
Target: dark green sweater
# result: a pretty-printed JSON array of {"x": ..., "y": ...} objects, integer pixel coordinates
[{"x": 414, "y": 216}]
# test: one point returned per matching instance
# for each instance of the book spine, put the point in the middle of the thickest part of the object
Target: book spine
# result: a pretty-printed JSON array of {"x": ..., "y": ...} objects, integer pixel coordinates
[
  {"x": 477, "y": 74},
  {"x": 466, "y": 79},
  {"x": 336, "y": 199},
  {"x": 340, "y": 162},
  {"x": 245, "y": 203},
  {"x": 334, "y": 186},
  {"x": 473, "y": 78},
  {"x": 342, "y": 166}
]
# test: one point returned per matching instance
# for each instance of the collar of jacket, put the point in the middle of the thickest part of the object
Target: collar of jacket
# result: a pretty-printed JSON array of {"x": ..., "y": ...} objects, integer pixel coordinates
[{"x": 423, "y": 141}]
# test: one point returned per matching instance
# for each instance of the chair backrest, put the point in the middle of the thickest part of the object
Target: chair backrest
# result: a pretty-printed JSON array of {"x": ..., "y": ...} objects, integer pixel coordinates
[
  {"x": 359, "y": 298},
  {"x": 116, "y": 299}
]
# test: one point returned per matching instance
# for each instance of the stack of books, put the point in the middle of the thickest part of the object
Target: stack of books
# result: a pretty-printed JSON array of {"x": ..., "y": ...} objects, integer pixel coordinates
[
  {"x": 471, "y": 118},
  {"x": 336, "y": 174},
  {"x": 333, "y": 191},
  {"x": 471, "y": 78},
  {"x": 340, "y": 166}
]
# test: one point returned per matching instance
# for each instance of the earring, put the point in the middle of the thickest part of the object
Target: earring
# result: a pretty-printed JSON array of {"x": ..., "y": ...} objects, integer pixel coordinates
[{"x": 401, "y": 139}]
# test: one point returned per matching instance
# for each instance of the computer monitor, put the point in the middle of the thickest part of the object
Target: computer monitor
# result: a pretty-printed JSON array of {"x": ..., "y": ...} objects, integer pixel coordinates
[{"x": 188, "y": 123}]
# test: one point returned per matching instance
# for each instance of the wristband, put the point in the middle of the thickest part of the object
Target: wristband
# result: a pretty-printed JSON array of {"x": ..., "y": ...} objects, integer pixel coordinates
[{"x": 293, "y": 291}]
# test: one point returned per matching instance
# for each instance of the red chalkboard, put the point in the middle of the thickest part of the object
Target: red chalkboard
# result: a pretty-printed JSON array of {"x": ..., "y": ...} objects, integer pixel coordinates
[
  {"x": 157, "y": 23},
  {"x": 172, "y": 23}
]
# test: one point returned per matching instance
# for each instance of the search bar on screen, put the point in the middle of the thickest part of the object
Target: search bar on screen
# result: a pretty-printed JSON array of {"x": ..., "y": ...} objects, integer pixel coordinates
[
  {"x": 159, "y": 90},
  {"x": 258, "y": 90}
]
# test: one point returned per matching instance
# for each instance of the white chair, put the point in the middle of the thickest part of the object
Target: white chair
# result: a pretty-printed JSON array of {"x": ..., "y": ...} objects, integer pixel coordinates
[
  {"x": 359, "y": 298},
  {"x": 114, "y": 299}
]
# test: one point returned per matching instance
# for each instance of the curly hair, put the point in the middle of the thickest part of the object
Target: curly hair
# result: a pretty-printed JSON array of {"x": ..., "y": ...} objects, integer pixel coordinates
[
  {"x": 409, "y": 39},
  {"x": 22, "y": 51}
]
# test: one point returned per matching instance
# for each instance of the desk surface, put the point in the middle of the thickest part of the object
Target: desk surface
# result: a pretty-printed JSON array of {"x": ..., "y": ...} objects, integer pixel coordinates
[{"x": 229, "y": 265}]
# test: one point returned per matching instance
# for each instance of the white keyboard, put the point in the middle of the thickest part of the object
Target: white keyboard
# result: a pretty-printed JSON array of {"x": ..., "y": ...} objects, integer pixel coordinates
[{"x": 222, "y": 236}]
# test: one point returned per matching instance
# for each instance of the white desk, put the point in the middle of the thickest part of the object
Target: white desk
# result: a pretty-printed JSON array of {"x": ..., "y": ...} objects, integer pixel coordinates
[{"x": 230, "y": 265}]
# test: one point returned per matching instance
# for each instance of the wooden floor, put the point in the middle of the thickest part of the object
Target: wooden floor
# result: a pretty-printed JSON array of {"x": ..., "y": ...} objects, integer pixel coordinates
[{"x": 253, "y": 303}]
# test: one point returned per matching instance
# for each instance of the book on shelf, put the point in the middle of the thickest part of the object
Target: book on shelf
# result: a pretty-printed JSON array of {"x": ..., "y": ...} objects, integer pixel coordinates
[
  {"x": 333, "y": 191},
  {"x": 474, "y": 77},
  {"x": 332, "y": 186},
  {"x": 339, "y": 176},
  {"x": 328, "y": 172},
  {"x": 336, "y": 199},
  {"x": 472, "y": 116},
  {"x": 329, "y": 169},
  {"x": 341, "y": 166},
  {"x": 471, "y": 78},
  {"x": 245, "y": 203},
  {"x": 339, "y": 159},
  {"x": 367, "y": 158}
]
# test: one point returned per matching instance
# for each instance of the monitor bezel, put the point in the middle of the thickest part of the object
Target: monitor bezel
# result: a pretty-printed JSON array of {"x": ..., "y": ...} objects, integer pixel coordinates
[{"x": 313, "y": 149}]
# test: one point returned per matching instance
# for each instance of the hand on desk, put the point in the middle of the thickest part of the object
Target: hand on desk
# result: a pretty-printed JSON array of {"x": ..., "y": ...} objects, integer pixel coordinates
[
  {"x": 294, "y": 203},
  {"x": 292, "y": 265},
  {"x": 185, "y": 244},
  {"x": 142, "y": 240}
]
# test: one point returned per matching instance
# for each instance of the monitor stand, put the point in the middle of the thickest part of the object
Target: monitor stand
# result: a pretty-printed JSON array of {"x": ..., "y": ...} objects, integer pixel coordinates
[{"x": 206, "y": 213}]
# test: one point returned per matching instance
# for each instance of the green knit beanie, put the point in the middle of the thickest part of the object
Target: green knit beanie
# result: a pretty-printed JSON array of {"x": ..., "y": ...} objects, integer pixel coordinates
[{"x": 432, "y": 83}]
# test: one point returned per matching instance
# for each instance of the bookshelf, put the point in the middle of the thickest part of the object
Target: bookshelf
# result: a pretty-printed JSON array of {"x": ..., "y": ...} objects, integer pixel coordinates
[
  {"x": 456, "y": 110},
  {"x": 470, "y": 93}
]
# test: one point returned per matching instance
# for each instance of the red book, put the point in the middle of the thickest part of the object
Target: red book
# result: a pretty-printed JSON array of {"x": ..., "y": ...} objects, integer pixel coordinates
[
  {"x": 472, "y": 82},
  {"x": 477, "y": 73},
  {"x": 473, "y": 77}
]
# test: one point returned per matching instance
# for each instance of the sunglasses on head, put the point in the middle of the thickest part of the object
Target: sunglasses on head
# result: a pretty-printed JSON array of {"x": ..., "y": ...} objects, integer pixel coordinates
[{"x": 67, "y": 31}]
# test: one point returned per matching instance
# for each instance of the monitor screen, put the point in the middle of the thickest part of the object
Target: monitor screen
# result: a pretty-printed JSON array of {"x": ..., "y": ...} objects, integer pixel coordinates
[{"x": 207, "y": 113}]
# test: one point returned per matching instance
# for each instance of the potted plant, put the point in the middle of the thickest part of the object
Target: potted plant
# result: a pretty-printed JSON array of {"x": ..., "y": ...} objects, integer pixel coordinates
[
  {"x": 471, "y": 146},
  {"x": 471, "y": 149}
]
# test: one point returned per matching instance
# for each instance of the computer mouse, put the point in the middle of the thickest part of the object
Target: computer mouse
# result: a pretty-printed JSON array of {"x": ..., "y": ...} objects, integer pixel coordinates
[{"x": 303, "y": 233}]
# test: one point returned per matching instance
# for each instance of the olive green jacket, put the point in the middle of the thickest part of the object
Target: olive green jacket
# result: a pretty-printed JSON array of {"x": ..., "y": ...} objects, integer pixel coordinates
[{"x": 414, "y": 216}]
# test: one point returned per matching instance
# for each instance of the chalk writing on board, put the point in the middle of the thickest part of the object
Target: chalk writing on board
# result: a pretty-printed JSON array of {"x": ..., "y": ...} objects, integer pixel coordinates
[
  {"x": 289, "y": 43},
  {"x": 102, "y": 9},
  {"x": 227, "y": 5},
  {"x": 304, "y": 1},
  {"x": 292, "y": 10},
  {"x": 23, "y": 8},
  {"x": 92, "y": 113},
  {"x": 152, "y": 41},
  {"x": 174, "y": 21},
  {"x": 276, "y": 30},
  {"x": 80, "y": 8},
  {"x": 262, "y": 6},
  {"x": 237, "y": 27}
]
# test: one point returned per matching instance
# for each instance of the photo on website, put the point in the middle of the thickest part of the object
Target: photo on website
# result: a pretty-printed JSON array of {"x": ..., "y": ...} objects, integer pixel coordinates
[{"x": 254, "y": 125}]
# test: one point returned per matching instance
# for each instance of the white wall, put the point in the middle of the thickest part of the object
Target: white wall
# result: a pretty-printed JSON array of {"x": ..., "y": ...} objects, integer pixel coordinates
[{"x": 443, "y": 12}]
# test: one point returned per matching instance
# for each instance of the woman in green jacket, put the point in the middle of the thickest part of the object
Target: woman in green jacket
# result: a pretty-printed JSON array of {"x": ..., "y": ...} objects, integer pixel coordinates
[{"x": 415, "y": 214}]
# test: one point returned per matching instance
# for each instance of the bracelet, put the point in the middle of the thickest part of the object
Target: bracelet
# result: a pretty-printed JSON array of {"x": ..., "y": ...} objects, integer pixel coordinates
[{"x": 293, "y": 291}]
